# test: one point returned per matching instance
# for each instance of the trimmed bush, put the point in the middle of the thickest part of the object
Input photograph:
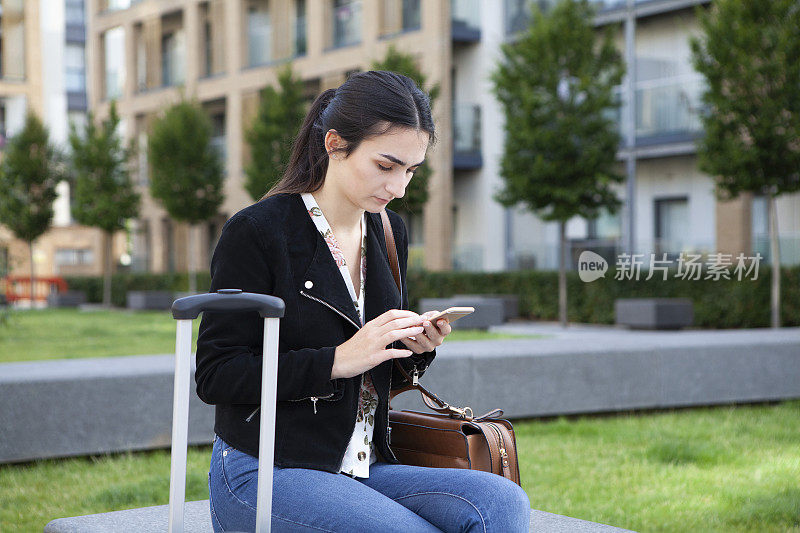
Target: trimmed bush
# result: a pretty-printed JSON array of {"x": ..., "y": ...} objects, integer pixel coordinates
[{"x": 717, "y": 304}]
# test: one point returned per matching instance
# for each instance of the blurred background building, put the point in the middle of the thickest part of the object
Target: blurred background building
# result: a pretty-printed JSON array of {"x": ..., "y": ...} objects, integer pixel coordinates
[
  {"x": 43, "y": 69},
  {"x": 146, "y": 53}
]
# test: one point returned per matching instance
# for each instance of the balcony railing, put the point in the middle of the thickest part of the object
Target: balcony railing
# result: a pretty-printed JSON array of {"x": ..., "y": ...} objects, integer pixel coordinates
[
  {"x": 467, "y": 135},
  {"x": 466, "y": 20},
  {"x": 667, "y": 109},
  {"x": 669, "y": 106},
  {"x": 466, "y": 128}
]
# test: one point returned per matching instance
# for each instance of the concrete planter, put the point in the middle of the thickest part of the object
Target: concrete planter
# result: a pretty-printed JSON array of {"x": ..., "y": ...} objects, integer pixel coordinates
[{"x": 138, "y": 300}]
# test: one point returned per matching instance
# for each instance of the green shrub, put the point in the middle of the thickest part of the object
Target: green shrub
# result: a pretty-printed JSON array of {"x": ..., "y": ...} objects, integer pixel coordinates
[{"x": 717, "y": 304}]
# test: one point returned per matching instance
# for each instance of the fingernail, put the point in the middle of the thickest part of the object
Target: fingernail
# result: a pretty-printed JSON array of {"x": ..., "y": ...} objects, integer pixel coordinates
[
  {"x": 426, "y": 323},
  {"x": 441, "y": 323}
]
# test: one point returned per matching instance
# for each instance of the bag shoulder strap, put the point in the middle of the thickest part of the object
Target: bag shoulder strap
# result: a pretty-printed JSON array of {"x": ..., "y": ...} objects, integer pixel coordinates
[{"x": 431, "y": 400}]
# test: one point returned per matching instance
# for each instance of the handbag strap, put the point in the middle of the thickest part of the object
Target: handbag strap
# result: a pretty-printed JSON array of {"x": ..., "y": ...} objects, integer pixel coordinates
[{"x": 431, "y": 400}]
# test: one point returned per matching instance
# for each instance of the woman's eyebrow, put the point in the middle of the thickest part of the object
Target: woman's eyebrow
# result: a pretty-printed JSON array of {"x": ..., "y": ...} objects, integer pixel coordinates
[{"x": 393, "y": 159}]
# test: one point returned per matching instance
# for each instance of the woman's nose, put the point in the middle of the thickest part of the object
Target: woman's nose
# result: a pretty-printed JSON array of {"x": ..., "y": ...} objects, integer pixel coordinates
[{"x": 396, "y": 188}]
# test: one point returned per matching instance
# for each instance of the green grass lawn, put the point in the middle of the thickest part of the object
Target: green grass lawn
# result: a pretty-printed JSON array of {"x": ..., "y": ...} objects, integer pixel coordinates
[
  {"x": 38, "y": 334},
  {"x": 727, "y": 469}
]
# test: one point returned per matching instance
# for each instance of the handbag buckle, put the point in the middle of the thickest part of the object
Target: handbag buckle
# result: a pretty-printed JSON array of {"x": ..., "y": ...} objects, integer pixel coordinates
[{"x": 465, "y": 413}]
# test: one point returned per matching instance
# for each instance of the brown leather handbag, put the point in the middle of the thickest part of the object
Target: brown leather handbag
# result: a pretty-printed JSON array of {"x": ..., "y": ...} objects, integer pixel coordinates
[{"x": 452, "y": 437}]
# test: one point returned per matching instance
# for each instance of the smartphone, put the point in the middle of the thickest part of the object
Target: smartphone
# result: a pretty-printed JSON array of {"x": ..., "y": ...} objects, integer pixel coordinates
[{"x": 452, "y": 314}]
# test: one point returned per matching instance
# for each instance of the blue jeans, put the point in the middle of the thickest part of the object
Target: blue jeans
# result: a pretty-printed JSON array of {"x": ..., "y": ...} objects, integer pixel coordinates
[{"x": 398, "y": 498}]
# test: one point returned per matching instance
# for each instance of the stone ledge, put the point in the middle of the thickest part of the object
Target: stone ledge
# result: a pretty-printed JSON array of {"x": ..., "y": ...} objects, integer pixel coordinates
[
  {"x": 197, "y": 519},
  {"x": 88, "y": 406}
]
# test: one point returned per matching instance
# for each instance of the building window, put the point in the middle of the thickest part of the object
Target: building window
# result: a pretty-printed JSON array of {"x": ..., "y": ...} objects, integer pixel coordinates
[
  {"x": 12, "y": 40},
  {"x": 400, "y": 16},
  {"x": 218, "y": 140},
  {"x": 671, "y": 225},
  {"x": 75, "y": 68},
  {"x": 116, "y": 5},
  {"x": 346, "y": 22},
  {"x": 172, "y": 58},
  {"x": 74, "y": 256},
  {"x": 300, "y": 28},
  {"x": 259, "y": 33},
  {"x": 2, "y": 124},
  {"x": 411, "y": 15},
  {"x": 114, "y": 54},
  {"x": 73, "y": 12}
]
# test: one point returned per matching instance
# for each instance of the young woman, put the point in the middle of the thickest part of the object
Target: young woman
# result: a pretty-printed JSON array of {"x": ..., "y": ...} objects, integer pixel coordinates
[{"x": 316, "y": 241}]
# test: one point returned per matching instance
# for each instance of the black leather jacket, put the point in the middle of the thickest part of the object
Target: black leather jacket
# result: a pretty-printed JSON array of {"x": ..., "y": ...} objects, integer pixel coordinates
[{"x": 272, "y": 247}]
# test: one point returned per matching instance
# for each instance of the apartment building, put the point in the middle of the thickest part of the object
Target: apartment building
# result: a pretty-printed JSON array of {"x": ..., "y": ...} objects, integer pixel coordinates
[
  {"x": 43, "y": 69},
  {"x": 146, "y": 54},
  {"x": 669, "y": 205}
]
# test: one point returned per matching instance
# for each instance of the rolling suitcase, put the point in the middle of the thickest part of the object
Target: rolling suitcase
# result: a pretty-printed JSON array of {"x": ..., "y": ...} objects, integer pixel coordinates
[{"x": 185, "y": 310}]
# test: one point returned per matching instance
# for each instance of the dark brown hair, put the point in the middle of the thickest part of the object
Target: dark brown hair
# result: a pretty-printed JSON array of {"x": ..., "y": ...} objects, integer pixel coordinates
[{"x": 358, "y": 109}]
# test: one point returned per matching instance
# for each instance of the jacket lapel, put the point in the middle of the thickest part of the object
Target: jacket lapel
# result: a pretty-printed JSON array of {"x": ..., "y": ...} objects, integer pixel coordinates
[{"x": 322, "y": 279}]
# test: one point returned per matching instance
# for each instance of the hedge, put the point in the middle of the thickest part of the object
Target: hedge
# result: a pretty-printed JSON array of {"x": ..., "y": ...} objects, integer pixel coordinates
[{"x": 717, "y": 304}]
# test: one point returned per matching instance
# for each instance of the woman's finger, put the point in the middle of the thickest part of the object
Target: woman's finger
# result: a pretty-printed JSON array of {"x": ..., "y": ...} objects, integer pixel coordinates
[
  {"x": 401, "y": 323},
  {"x": 397, "y": 334},
  {"x": 393, "y": 314},
  {"x": 393, "y": 353},
  {"x": 415, "y": 346}
]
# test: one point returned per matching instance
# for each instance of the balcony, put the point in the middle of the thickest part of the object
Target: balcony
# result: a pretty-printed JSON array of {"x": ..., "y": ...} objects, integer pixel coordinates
[
  {"x": 467, "y": 136},
  {"x": 610, "y": 11},
  {"x": 466, "y": 21},
  {"x": 667, "y": 115},
  {"x": 668, "y": 110}
]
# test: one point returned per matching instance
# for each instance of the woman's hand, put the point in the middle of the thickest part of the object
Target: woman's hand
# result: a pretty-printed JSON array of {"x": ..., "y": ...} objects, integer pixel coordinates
[
  {"x": 367, "y": 348},
  {"x": 432, "y": 337}
]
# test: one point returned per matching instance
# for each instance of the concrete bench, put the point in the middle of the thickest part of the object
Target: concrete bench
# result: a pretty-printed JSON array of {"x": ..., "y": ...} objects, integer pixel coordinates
[
  {"x": 66, "y": 299},
  {"x": 488, "y": 311},
  {"x": 139, "y": 300},
  {"x": 91, "y": 406},
  {"x": 197, "y": 519},
  {"x": 510, "y": 303},
  {"x": 72, "y": 407},
  {"x": 654, "y": 313}
]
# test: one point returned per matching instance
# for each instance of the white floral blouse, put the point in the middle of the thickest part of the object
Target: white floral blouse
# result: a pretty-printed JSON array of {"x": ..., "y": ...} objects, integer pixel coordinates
[{"x": 360, "y": 451}]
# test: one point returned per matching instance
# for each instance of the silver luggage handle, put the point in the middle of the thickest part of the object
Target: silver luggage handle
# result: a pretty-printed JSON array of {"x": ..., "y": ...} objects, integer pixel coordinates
[{"x": 184, "y": 310}]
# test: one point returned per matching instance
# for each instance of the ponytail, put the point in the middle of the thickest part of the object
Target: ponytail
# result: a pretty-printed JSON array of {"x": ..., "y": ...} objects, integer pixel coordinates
[{"x": 308, "y": 162}]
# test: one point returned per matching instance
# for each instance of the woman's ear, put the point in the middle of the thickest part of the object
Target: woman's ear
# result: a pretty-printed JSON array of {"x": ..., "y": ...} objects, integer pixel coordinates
[{"x": 333, "y": 142}]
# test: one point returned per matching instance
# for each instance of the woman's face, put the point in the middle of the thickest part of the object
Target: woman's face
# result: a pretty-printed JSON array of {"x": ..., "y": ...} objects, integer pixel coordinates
[{"x": 379, "y": 170}]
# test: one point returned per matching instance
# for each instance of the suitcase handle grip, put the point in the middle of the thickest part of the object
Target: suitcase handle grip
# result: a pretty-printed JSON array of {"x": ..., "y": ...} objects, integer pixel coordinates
[{"x": 190, "y": 307}]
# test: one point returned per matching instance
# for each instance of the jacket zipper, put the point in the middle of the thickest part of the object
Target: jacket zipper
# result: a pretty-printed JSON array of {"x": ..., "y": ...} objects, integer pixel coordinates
[
  {"x": 329, "y": 306},
  {"x": 313, "y": 399}
]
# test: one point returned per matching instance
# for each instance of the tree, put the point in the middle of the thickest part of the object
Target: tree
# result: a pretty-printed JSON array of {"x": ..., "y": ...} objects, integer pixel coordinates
[
  {"x": 417, "y": 191},
  {"x": 556, "y": 86},
  {"x": 748, "y": 54},
  {"x": 186, "y": 169},
  {"x": 104, "y": 193},
  {"x": 29, "y": 173},
  {"x": 280, "y": 114}
]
